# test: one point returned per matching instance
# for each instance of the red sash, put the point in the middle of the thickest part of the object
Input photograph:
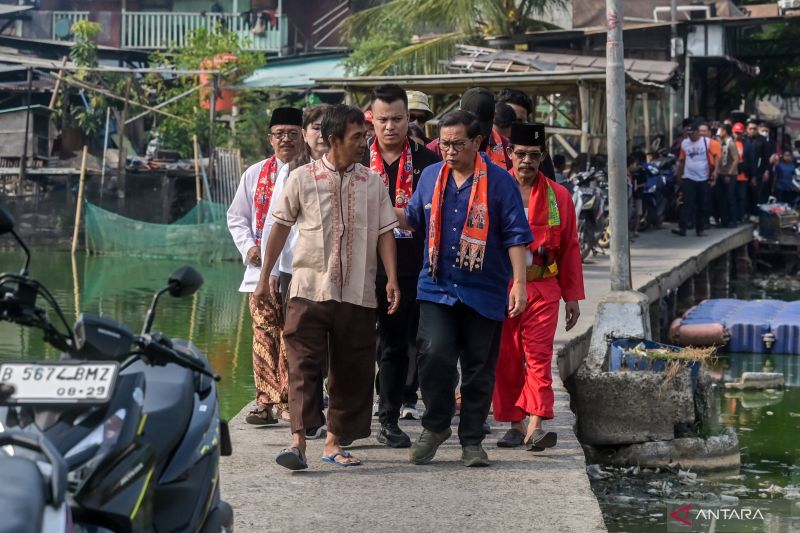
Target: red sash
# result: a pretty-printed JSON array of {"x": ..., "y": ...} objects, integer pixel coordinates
[
  {"x": 263, "y": 194},
  {"x": 495, "y": 150},
  {"x": 404, "y": 187}
]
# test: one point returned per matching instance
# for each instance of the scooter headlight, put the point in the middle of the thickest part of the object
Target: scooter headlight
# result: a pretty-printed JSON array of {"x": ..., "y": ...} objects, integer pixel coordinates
[{"x": 97, "y": 445}]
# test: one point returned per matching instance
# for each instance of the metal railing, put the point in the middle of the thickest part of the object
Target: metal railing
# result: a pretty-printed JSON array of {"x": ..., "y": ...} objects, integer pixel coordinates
[
  {"x": 72, "y": 17},
  {"x": 164, "y": 30}
]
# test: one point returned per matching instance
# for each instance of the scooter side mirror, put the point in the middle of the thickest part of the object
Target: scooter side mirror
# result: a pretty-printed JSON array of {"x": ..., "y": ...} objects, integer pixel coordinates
[
  {"x": 6, "y": 221},
  {"x": 184, "y": 282}
]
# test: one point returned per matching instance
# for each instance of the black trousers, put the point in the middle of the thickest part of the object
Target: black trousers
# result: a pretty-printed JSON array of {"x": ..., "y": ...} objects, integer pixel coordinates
[
  {"x": 446, "y": 335},
  {"x": 741, "y": 200},
  {"x": 725, "y": 199},
  {"x": 695, "y": 198},
  {"x": 396, "y": 333}
]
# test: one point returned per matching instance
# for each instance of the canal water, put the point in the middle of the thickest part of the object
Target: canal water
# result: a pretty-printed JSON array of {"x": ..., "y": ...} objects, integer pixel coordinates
[
  {"x": 216, "y": 319},
  {"x": 767, "y": 424}
]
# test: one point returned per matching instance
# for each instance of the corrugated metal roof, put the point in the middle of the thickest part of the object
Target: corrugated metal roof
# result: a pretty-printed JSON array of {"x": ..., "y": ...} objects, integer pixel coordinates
[
  {"x": 479, "y": 59},
  {"x": 554, "y": 81}
]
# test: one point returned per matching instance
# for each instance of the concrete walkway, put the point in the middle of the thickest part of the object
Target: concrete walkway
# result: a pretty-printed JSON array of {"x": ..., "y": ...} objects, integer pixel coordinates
[{"x": 521, "y": 491}]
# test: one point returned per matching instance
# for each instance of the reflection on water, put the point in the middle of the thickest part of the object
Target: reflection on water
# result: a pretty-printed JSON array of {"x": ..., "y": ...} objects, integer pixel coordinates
[
  {"x": 767, "y": 422},
  {"x": 216, "y": 318},
  {"x": 768, "y": 426}
]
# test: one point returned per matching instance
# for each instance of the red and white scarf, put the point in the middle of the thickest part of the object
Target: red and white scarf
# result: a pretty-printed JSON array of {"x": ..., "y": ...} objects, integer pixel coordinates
[
  {"x": 263, "y": 194},
  {"x": 404, "y": 187}
]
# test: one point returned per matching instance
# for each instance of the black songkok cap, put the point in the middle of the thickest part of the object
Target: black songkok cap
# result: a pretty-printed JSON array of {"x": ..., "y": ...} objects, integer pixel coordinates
[
  {"x": 286, "y": 116},
  {"x": 527, "y": 134}
]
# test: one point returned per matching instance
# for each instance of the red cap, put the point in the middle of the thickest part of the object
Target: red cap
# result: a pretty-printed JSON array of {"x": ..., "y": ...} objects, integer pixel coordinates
[
  {"x": 368, "y": 116},
  {"x": 738, "y": 128}
]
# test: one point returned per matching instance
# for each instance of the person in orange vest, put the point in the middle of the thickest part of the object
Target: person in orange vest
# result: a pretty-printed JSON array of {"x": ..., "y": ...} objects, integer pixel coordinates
[
  {"x": 741, "y": 178},
  {"x": 523, "y": 383}
]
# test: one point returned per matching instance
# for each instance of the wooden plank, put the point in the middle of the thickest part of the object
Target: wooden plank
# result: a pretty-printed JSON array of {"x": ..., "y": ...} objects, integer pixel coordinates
[{"x": 565, "y": 145}]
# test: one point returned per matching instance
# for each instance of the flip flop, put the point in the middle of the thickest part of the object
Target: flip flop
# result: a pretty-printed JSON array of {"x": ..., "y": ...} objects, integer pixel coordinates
[
  {"x": 332, "y": 459},
  {"x": 541, "y": 439},
  {"x": 292, "y": 458},
  {"x": 512, "y": 439}
]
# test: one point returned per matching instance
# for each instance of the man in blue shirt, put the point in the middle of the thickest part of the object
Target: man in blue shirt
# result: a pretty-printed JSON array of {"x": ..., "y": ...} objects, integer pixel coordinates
[{"x": 476, "y": 232}]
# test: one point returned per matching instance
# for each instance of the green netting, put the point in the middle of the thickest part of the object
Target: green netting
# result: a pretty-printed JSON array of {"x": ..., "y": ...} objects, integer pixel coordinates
[{"x": 200, "y": 234}]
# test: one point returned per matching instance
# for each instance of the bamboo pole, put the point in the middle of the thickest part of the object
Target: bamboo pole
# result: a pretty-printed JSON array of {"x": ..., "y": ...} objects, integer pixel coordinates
[
  {"x": 197, "y": 187},
  {"x": 113, "y": 96},
  {"x": 166, "y": 102},
  {"x": 57, "y": 87},
  {"x": 193, "y": 317},
  {"x": 23, "y": 162},
  {"x": 79, "y": 207},
  {"x": 123, "y": 154},
  {"x": 76, "y": 287},
  {"x": 105, "y": 149}
]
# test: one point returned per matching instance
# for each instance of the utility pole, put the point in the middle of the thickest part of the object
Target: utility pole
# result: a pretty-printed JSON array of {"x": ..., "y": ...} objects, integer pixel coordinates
[
  {"x": 673, "y": 54},
  {"x": 617, "y": 136}
]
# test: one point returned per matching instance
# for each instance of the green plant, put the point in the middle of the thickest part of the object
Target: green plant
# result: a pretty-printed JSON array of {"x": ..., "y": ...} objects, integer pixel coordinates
[
  {"x": 438, "y": 26},
  {"x": 198, "y": 54}
]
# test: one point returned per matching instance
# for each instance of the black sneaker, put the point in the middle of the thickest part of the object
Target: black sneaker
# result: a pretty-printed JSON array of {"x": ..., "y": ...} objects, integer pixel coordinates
[
  {"x": 392, "y": 436},
  {"x": 316, "y": 433}
]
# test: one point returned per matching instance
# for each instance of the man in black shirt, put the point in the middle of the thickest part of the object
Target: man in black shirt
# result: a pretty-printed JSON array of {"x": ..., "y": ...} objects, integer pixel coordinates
[
  {"x": 399, "y": 160},
  {"x": 756, "y": 165}
]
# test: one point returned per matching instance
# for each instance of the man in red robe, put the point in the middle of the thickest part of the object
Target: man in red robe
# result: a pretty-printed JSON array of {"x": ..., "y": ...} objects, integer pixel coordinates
[{"x": 523, "y": 384}]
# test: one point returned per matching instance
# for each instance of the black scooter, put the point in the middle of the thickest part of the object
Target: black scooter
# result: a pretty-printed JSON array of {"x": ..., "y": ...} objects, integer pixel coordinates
[
  {"x": 135, "y": 417},
  {"x": 33, "y": 491}
]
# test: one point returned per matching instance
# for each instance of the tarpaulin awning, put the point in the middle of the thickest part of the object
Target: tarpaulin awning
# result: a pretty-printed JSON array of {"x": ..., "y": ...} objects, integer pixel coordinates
[{"x": 295, "y": 74}]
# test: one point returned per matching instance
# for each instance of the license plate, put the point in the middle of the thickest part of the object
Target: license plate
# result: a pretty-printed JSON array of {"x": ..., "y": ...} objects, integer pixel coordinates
[{"x": 58, "y": 382}]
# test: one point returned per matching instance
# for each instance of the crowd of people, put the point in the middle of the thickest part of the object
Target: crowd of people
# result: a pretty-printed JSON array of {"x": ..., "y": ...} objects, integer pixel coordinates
[
  {"x": 440, "y": 262},
  {"x": 725, "y": 170}
]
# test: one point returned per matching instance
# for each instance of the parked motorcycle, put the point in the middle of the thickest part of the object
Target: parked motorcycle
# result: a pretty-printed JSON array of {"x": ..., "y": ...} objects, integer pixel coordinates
[
  {"x": 590, "y": 210},
  {"x": 654, "y": 198},
  {"x": 135, "y": 417}
]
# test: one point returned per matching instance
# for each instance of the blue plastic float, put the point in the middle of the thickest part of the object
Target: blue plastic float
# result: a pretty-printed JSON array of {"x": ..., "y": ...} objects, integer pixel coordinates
[
  {"x": 741, "y": 326},
  {"x": 621, "y": 358}
]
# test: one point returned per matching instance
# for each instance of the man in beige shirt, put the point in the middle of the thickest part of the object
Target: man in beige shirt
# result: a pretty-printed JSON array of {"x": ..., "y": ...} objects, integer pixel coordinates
[{"x": 344, "y": 215}]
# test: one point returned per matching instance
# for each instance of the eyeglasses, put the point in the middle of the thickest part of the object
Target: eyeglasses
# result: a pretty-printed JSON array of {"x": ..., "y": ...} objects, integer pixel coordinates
[
  {"x": 455, "y": 146},
  {"x": 533, "y": 156},
  {"x": 413, "y": 117},
  {"x": 291, "y": 135}
]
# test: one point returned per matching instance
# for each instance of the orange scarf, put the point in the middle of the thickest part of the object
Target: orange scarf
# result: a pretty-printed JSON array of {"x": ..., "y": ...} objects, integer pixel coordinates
[
  {"x": 404, "y": 187},
  {"x": 495, "y": 150},
  {"x": 263, "y": 194},
  {"x": 472, "y": 246}
]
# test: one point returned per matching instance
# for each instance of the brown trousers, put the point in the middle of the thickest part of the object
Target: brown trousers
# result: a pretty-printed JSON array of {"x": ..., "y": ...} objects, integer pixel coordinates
[{"x": 351, "y": 371}]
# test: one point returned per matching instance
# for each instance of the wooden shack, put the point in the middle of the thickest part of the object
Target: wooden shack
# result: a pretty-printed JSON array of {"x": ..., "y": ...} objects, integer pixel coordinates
[{"x": 12, "y": 132}]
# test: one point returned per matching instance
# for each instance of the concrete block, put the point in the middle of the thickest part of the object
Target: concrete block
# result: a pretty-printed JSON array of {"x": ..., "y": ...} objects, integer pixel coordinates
[
  {"x": 720, "y": 452},
  {"x": 620, "y": 314},
  {"x": 629, "y": 407}
]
